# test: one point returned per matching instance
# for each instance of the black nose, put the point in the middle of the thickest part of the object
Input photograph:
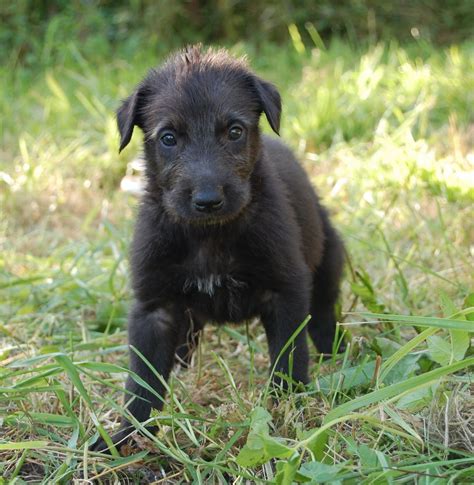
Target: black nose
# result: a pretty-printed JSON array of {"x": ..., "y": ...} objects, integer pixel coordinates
[{"x": 210, "y": 200}]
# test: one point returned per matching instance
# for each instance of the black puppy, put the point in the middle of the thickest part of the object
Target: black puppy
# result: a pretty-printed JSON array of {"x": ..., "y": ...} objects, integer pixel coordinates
[{"x": 229, "y": 227}]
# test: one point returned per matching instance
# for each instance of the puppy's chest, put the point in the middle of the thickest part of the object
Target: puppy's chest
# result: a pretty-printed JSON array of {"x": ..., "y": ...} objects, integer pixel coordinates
[{"x": 209, "y": 270}]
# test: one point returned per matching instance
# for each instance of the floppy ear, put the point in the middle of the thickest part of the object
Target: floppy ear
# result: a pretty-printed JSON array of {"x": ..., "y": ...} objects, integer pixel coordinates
[
  {"x": 271, "y": 103},
  {"x": 127, "y": 118}
]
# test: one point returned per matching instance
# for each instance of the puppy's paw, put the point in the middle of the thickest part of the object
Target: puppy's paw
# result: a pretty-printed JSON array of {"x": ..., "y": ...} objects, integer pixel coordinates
[
  {"x": 326, "y": 348},
  {"x": 282, "y": 384},
  {"x": 122, "y": 438}
]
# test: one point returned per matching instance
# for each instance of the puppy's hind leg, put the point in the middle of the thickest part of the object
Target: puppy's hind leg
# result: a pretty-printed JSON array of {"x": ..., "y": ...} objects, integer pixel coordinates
[{"x": 326, "y": 282}]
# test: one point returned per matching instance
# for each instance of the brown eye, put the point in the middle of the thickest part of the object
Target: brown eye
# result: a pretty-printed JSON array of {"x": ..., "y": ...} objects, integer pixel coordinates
[
  {"x": 235, "y": 132},
  {"x": 168, "y": 139}
]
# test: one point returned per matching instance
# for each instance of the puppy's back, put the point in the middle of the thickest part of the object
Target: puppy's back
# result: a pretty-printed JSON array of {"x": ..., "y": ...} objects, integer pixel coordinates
[{"x": 302, "y": 197}]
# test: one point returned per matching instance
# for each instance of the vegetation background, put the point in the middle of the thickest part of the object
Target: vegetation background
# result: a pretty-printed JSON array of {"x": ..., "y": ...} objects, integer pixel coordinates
[{"x": 378, "y": 104}]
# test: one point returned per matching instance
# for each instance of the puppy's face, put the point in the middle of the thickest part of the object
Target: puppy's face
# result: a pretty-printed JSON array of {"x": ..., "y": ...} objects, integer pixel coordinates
[{"x": 200, "y": 115}]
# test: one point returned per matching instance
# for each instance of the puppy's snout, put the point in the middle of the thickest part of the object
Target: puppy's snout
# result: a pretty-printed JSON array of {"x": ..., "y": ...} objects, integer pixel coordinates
[{"x": 208, "y": 200}]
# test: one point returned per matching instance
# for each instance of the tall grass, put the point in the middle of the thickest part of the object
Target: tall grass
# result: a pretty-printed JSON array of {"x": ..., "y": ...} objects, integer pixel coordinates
[{"x": 386, "y": 134}]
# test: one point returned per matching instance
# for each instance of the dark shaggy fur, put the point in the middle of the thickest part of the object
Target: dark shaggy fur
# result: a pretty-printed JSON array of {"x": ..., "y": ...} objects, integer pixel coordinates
[{"x": 229, "y": 227}]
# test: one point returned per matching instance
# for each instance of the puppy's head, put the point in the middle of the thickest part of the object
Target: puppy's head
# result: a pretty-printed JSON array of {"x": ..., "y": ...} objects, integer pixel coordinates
[{"x": 199, "y": 113}]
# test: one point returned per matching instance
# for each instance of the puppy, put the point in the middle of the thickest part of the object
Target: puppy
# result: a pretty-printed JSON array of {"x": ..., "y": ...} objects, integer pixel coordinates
[{"x": 229, "y": 227}]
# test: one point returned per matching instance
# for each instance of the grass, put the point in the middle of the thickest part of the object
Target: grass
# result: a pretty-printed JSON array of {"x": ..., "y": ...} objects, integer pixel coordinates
[{"x": 385, "y": 132}]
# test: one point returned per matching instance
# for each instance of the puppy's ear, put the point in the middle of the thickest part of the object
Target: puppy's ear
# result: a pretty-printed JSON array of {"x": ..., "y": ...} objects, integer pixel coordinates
[
  {"x": 271, "y": 103},
  {"x": 128, "y": 117}
]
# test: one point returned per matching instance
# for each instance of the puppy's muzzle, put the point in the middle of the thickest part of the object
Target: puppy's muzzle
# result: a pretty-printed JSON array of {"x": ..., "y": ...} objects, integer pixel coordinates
[{"x": 208, "y": 200}]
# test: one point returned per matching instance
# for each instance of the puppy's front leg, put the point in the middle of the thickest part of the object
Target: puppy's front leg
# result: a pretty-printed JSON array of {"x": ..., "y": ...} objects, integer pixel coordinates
[
  {"x": 155, "y": 335},
  {"x": 282, "y": 317}
]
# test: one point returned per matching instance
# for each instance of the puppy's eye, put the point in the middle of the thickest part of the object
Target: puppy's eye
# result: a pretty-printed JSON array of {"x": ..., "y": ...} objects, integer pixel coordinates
[
  {"x": 168, "y": 139},
  {"x": 235, "y": 132}
]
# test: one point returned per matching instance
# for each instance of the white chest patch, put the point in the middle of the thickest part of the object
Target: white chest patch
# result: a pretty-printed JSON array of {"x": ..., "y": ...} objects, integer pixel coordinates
[{"x": 209, "y": 285}]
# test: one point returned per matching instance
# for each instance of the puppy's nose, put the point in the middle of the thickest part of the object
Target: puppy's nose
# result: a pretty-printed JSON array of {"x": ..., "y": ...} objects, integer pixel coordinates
[{"x": 209, "y": 200}]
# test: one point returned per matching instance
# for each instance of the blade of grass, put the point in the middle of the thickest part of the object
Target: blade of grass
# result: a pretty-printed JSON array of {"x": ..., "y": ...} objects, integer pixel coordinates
[
  {"x": 445, "y": 323},
  {"x": 71, "y": 370},
  {"x": 396, "y": 357},
  {"x": 397, "y": 389},
  {"x": 24, "y": 445}
]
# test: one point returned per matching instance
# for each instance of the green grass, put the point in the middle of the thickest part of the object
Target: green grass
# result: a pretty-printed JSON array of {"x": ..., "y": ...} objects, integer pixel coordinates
[{"x": 386, "y": 134}]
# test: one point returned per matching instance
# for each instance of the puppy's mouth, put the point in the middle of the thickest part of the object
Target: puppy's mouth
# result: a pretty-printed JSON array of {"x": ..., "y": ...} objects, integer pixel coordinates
[
  {"x": 203, "y": 219},
  {"x": 213, "y": 219},
  {"x": 210, "y": 219},
  {"x": 205, "y": 211}
]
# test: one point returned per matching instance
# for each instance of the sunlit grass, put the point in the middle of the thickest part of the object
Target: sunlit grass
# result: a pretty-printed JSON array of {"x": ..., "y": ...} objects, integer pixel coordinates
[{"x": 386, "y": 135}]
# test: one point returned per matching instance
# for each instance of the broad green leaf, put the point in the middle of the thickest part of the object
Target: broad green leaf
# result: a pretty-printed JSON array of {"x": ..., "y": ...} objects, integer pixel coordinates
[
  {"x": 253, "y": 453},
  {"x": 347, "y": 379},
  {"x": 363, "y": 374},
  {"x": 276, "y": 449},
  {"x": 403, "y": 351},
  {"x": 368, "y": 457},
  {"x": 416, "y": 399},
  {"x": 447, "y": 305},
  {"x": 460, "y": 342},
  {"x": 259, "y": 419},
  {"x": 459, "y": 339},
  {"x": 385, "y": 347},
  {"x": 469, "y": 307},
  {"x": 317, "y": 445},
  {"x": 286, "y": 470},
  {"x": 439, "y": 349},
  {"x": 320, "y": 472},
  {"x": 250, "y": 457},
  {"x": 262, "y": 449},
  {"x": 260, "y": 446},
  {"x": 406, "y": 367}
]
